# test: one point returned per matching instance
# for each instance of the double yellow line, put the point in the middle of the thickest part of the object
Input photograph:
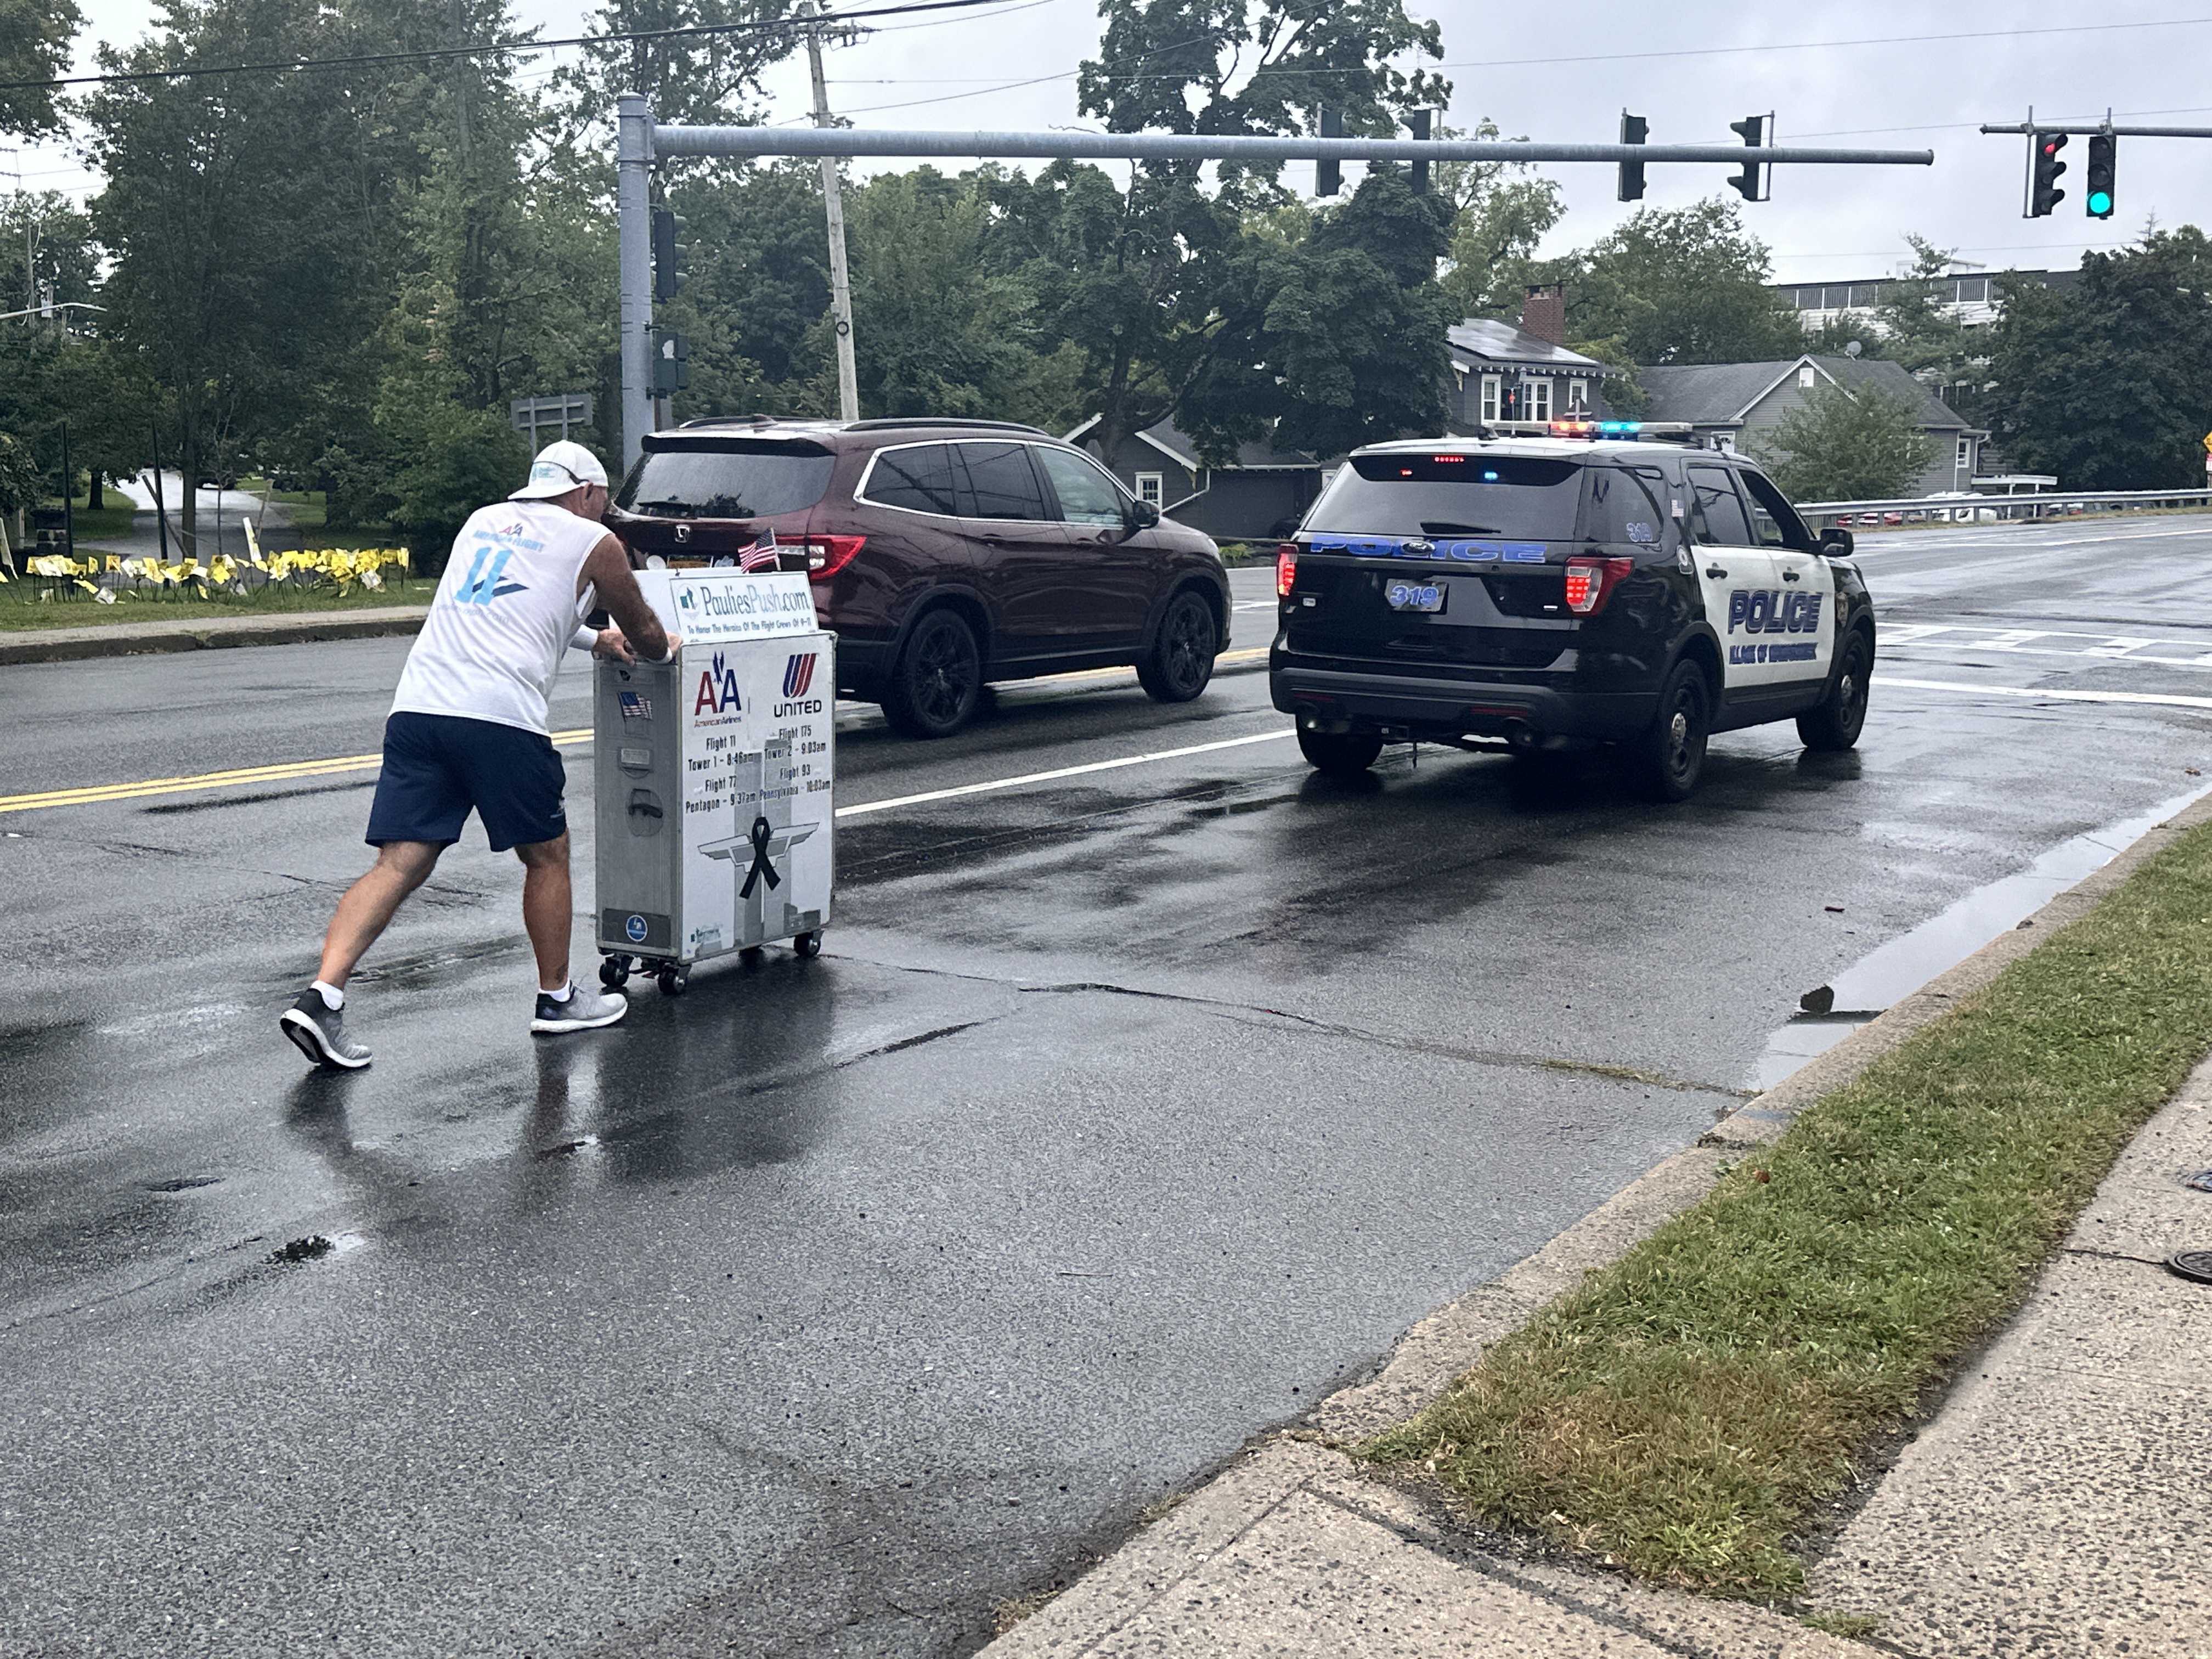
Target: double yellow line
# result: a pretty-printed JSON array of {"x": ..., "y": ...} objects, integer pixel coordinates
[{"x": 94, "y": 794}]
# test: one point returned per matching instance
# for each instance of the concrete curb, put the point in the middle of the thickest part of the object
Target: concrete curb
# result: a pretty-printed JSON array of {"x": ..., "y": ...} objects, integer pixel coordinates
[
  {"x": 1150, "y": 1594},
  {"x": 208, "y": 633}
]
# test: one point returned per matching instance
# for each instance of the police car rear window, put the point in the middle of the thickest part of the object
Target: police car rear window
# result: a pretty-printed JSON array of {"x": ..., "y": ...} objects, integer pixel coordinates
[
  {"x": 1445, "y": 493},
  {"x": 703, "y": 478}
]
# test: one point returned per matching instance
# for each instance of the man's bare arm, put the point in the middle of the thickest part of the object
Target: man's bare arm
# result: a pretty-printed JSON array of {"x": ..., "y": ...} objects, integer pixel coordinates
[{"x": 607, "y": 569}]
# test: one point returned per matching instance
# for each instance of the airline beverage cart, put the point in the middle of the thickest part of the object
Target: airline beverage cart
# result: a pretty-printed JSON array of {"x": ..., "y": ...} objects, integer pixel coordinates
[{"x": 716, "y": 773}]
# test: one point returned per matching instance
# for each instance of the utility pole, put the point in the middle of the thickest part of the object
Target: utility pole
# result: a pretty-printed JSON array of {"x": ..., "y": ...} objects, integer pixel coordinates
[{"x": 840, "y": 285}]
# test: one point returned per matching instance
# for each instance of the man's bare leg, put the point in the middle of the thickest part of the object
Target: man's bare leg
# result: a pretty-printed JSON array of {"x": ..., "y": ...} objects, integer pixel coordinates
[
  {"x": 548, "y": 908},
  {"x": 401, "y": 866}
]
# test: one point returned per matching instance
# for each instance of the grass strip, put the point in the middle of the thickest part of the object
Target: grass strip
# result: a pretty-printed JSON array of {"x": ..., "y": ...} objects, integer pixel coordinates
[
  {"x": 28, "y": 612},
  {"x": 1681, "y": 1412}
]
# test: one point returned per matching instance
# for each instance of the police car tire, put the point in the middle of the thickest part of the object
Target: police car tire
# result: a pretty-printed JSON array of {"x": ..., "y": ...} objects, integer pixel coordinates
[
  {"x": 1339, "y": 754},
  {"x": 1181, "y": 662},
  {"x": 1672, "y": 763},
  {"x": 936, "y": 679},
  {"x": 1835, "y": 722}
]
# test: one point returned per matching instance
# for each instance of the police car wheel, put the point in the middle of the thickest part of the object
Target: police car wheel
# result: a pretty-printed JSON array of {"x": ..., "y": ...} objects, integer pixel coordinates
[
  {"x": 1836, "y": 721},
  {"x": 1181, "y": 661},
  {"x": 1674, "y": 748},
  {"x": 1339, "y": 754},
  {"x": 937, "y": 678}
]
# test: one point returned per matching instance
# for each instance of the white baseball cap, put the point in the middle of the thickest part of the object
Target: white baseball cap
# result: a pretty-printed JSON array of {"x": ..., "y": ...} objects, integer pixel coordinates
[{"x": 561, "y": 466}]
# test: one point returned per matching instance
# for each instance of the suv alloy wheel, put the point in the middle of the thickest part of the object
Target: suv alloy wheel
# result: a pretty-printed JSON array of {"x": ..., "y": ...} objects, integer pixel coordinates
[{"x": 936, "y": 679}]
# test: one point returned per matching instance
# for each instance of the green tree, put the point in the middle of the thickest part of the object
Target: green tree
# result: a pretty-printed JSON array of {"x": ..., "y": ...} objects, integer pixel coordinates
[
  {"x": 2110, "y": 387},
  {"x": 1862, "y": 444},
  {"x": 34, "y": 46},
  {"x": 706, "y": 79},
  {"x": 1333, "y": 340},
  {"x": 1141, "y": 309},
  {"x": 1680, "y": 285},
  {"x": 1499, "y": 214},
  {"x": 1917, "y": 328},
  {"x": 234, "y": 278}
]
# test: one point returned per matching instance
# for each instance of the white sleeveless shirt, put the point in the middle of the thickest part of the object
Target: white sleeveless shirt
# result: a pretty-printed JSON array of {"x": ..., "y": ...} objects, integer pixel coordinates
[{"x": 502, "y": 617}]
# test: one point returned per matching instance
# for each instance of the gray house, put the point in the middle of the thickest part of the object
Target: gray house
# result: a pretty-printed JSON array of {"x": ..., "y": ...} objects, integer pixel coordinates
[
  {"x": 1264, "y": 495},
  {"x": 1502, "y": 371},
  {"x": 1737, "y": 403}
]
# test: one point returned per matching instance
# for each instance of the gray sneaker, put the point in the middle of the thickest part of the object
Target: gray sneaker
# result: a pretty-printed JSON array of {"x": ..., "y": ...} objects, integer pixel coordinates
[
  {"x": 584, "y": 1011},
  {"x": 319, "y": 1033}
]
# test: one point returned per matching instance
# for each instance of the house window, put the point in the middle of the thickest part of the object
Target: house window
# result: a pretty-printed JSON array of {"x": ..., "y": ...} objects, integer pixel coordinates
[
  {"x": 1805, "y": 376},
  {"x": 1490, "y": 399},
  {"x": 1578, "y": 398},
  {"x": 1966, "y": 453},
  {"x": 1148, "y": 488},
  {"x": 1539, "y": 396}
]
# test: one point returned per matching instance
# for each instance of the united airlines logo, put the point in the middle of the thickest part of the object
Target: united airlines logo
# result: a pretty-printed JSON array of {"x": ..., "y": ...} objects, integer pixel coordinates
[
  {"x": 799, "y": 674},
  {"x": 718, "y": 689},
  {"x": 482, "y": 586}
]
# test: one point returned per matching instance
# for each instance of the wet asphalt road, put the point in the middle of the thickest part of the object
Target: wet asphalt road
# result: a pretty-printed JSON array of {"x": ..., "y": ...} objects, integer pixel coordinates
[{"x": 824, "y": 1308}]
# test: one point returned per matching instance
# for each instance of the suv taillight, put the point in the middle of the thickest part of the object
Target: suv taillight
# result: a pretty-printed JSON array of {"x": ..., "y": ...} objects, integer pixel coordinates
[
  {"x": 828, "y": 555},
  {"x": 1287, "y": 568},
  {"x": 1590, "y": 582}
]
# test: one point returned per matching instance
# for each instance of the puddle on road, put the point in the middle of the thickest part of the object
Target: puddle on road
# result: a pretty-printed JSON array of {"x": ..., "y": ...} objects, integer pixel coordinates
[{"x": 1908, "y": 962}]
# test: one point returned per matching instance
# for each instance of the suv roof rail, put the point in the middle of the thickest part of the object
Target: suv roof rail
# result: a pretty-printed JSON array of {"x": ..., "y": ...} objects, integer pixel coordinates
[
  {"x": 901, "y": 423},
  {"x": 755, "y": 419}
]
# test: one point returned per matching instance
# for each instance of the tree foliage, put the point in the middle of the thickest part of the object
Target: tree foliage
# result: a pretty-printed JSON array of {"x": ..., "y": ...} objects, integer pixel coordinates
[
  {"x": 35, "y": 37},
  {"x": 1680, "y": 285},
  {"x": 1839, "y": 445},
  {"x": 2110, "y": 387}
]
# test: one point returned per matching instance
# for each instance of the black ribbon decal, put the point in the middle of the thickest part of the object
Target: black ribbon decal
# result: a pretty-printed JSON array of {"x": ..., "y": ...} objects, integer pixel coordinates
[{"x": 762, "y": 866}]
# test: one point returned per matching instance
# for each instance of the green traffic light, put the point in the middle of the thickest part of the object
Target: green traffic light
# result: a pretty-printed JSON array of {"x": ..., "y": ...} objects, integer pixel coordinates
[{"x": 2100, "y": 202}]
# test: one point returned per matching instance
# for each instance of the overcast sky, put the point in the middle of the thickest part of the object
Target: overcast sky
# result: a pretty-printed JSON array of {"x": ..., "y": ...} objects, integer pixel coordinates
[{"x": 1866, "y": 75}]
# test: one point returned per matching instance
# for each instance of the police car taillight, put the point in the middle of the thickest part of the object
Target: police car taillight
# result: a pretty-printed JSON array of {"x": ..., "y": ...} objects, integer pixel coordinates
[
  {"x": 1287, "y": 568},
  {"x": 1590, "y": 582}
]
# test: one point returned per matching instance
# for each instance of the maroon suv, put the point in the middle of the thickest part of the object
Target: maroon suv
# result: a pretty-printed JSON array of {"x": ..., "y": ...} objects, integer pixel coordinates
[{"x": 943, "y": 553}]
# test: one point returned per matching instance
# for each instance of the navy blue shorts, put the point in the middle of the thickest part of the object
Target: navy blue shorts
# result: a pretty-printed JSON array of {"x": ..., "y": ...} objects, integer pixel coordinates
[{"x": 438, "y": 767}]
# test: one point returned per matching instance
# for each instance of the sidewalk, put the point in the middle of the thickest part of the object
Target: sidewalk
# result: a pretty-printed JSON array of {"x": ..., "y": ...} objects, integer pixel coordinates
[{"x": 2056, "y": 1505}]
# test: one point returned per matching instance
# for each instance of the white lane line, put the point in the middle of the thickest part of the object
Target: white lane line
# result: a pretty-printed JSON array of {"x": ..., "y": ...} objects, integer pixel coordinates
[
  {"x": 1058, "y": 773},
  {"x": 2046, "y": 696}
]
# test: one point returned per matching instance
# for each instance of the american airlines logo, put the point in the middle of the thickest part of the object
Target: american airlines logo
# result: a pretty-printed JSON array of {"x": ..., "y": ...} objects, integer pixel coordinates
[{"x": 799, "y": 674}]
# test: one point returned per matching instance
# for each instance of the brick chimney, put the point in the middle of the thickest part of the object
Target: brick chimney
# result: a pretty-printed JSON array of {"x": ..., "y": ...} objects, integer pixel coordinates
[{"x": 1544, "y": 311}]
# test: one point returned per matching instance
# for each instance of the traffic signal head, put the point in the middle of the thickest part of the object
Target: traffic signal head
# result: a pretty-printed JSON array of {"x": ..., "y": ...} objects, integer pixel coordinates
[
  {"x": 2044, "y": 166},
  {"x": 670, "y": 255},
  {"x": 672, "y": 363},
  {"x": 1417, "y": 126},
  {"x": 1328, "y": 176},
  {"x": 2104, "y": 151},
  {"x": 1634, "y": 129},
  {"x": 1753, "y": 130}
]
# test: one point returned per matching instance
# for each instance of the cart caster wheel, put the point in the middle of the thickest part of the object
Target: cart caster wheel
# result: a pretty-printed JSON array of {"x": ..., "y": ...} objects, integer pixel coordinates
[
  {"x": 750, "y": 956},
  {"x": 672, "y": 983},
  {"x": 614, "y": 973},
  {"x": 806, "y": 944}
]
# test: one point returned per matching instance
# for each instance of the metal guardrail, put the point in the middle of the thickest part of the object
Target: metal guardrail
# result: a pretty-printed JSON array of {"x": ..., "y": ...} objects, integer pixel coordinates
[{"x": 1987, "y": 509}]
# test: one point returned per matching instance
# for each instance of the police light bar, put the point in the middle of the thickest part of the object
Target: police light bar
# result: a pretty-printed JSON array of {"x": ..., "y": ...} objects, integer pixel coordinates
[{"x": 1638, "y": 431}]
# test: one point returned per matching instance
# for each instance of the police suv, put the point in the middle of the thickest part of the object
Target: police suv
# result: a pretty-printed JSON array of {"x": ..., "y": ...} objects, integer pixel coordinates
[{"x": 1554, "y": 587}]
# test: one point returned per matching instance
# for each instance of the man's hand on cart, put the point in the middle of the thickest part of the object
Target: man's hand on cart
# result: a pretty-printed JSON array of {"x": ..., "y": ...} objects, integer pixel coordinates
[{"x": 612, "y": 647}]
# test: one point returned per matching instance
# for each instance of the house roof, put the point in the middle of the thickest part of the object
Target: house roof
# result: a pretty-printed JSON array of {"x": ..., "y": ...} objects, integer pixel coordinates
[
  {"x": 1490, "y": 341},
  {"x": 1166, "y": 437},
  {"x": 1723, "y": 394}
]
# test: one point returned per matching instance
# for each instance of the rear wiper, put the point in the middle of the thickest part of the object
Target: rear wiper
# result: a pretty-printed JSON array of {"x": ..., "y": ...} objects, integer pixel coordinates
[{"x": 1444, "y": 527}]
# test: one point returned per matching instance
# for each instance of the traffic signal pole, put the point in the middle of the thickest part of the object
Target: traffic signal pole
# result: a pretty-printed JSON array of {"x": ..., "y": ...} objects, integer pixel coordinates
[
  {"x": 634, "y": 219},
  {"x": 641, "y": 140}
]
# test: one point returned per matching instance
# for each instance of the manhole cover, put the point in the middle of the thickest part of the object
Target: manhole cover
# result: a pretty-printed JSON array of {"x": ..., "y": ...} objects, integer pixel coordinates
[{"x": 2192, "y": 1264}]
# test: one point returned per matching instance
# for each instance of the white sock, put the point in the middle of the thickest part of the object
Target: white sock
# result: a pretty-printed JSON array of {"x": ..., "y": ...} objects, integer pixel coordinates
[
  {"x": 561, "y": 995},
  {"x": 333, "y": 999}
]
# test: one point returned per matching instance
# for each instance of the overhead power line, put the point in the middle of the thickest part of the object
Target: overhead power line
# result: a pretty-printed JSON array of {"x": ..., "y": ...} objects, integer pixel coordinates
[{"x": 293, "y": 65}]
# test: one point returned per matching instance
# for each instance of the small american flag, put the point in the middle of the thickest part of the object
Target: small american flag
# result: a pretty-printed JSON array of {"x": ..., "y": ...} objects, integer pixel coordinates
[{"x": 761, "y": 556}]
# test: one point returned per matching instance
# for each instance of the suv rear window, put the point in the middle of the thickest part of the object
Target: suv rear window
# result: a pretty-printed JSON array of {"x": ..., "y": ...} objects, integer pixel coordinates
[
  {"x": 704, "y": 477},
  {"x": 1528, "y": 497}
]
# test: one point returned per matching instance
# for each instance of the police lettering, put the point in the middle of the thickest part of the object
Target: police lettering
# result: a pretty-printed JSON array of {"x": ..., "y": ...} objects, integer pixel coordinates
[{"x": 1769, "y": 611}]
